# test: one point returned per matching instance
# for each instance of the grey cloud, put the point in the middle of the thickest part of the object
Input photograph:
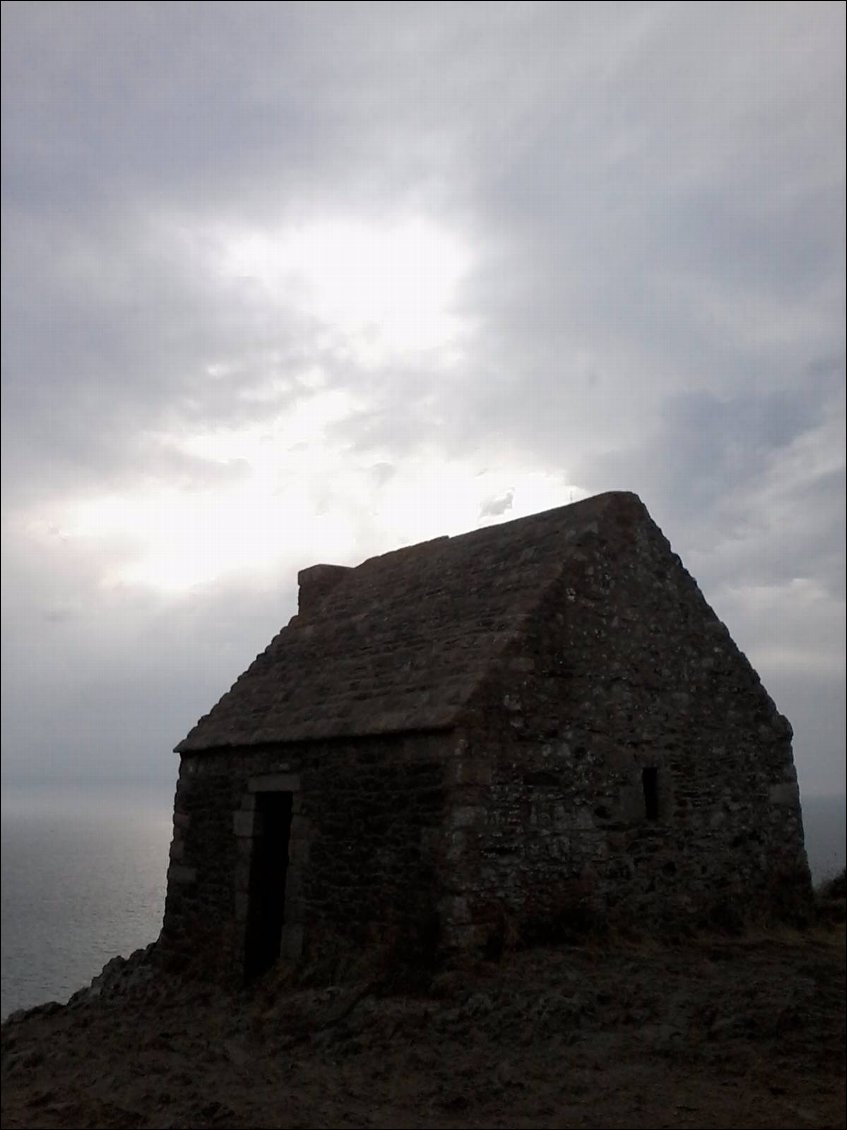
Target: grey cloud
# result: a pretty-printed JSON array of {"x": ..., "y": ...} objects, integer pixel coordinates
[
  {"x": 584, "y": 185},
  {"x": 113, "y": 680},
  {"x": 706, "y": 463},
  {"x": 162, "y": 462},
  {"x": 492, "y": 507},
  {"x": 382, "y": 473},
  {"x": 248, "y": 106},
  {"x": 107, "y": 337}
]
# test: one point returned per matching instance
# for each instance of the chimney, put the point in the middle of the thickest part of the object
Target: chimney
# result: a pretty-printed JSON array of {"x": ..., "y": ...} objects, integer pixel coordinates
[{"x": 315, "y": 582}]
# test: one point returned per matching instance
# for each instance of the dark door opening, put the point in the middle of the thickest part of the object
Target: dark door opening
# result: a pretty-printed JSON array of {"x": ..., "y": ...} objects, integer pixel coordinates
[{"x": 268, "y": 869}]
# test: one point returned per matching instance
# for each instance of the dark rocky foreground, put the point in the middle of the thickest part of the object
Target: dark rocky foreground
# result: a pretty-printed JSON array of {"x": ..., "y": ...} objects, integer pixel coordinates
[{"x": 710, "y": 1032}]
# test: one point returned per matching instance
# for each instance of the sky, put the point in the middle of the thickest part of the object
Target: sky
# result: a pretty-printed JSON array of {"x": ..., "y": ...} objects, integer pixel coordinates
[{"x": 287, "y": 283}]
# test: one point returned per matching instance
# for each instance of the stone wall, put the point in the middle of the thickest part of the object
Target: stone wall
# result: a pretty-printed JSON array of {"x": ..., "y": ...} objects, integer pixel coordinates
[
  {"x": 365, "y": 832},
  {"x": 553, "y": 822}
]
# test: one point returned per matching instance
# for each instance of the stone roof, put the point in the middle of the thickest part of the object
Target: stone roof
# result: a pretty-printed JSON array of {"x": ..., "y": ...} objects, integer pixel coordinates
[{"x": 401, "y": 642}]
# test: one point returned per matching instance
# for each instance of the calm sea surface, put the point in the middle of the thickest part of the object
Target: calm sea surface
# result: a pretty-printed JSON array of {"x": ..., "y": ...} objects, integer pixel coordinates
[{"x": 83, "y": 879}]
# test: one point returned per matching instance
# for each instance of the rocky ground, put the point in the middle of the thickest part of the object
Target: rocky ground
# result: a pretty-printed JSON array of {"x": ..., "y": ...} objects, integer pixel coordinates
[{"x": 712, "y": 1032}]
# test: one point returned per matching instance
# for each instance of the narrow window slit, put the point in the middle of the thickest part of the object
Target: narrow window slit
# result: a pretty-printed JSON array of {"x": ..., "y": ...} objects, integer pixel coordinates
[{"x": 650, "y": 784}]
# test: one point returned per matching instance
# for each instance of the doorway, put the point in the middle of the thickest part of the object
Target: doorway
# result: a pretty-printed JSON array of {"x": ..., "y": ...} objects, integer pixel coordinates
[{"x": 268, "y": 872}]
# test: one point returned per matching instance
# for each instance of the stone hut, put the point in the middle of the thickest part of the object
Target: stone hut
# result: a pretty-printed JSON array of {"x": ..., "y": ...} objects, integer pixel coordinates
[{"x": 504, "y": 734}]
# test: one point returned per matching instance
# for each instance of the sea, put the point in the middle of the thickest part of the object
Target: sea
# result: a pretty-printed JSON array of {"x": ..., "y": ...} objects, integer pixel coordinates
[{"x": 83, "y": 880}]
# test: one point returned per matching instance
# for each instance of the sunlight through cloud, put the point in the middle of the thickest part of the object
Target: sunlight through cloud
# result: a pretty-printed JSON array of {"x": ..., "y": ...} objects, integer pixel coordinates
[
  {"x": 387, "y": 288},
  {"x": 299, "y": 504}
]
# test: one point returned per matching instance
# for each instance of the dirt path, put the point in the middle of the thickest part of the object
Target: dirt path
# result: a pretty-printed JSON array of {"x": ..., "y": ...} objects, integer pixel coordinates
[{"x": 716, "y": 1033}]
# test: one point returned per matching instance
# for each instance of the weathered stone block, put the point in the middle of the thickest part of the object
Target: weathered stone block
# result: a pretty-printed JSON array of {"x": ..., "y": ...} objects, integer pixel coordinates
[
  {"x": 275, "y": 783},
  {"x": 455, "y": 909},
  {"x": 467, "y": 816},
  {"x": 177, "y": 873},
  {"x": 291, "y": 945},
  {"x": 243, "y": 823},
  {"x": 470, "y": 771},
  {"x": 785, "y": 793},
  {"x": 631, "y": 803}
]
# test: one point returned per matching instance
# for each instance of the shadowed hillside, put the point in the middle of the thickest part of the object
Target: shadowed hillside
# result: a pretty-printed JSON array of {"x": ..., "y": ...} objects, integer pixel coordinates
[{"x": 710, "y": 1032}]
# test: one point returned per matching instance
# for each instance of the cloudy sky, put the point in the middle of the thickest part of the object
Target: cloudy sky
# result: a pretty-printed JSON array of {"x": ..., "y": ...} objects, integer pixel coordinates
[{"x": 287, "y": 283}]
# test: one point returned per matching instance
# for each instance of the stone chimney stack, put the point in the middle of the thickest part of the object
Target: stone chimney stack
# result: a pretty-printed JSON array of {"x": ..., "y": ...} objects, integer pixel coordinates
[{"x": 315, "y": 582}]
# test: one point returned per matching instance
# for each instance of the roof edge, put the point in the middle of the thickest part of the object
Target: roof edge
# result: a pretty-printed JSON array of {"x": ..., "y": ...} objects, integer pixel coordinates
[{"x": 185, "y": 746}]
